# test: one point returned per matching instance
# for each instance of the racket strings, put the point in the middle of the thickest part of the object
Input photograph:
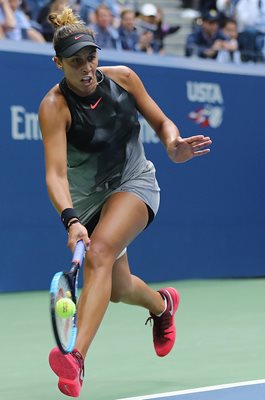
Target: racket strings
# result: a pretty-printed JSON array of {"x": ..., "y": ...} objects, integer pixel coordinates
[{"x": 64, "y": 326}]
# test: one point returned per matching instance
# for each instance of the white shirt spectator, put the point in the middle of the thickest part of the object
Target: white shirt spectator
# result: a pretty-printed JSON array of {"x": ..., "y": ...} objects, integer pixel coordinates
[
  {"x": 21, "y": 28},
  {"x": 22, "y": 24},
  {"x": 248, "y": 13}
]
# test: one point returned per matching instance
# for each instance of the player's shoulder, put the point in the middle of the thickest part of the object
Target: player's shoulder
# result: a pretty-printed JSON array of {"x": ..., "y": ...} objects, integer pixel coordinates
[
  {"x": 121, "y": 74},
  {"x": 53, "y": 100},
  {"x": 117, "y": 70}
]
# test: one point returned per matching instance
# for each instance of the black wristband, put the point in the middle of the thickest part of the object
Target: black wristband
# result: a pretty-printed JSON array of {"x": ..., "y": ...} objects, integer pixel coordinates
[{"x": 66, "y": 215}]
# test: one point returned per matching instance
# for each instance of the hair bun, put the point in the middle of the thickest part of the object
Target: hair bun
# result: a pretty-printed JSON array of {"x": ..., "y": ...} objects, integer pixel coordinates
[{"x": 67, "y": 17}]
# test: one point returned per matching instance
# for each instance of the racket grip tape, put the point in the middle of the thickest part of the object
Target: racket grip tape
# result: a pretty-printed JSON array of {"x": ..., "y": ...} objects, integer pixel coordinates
[{"x": 79, "y": 252}]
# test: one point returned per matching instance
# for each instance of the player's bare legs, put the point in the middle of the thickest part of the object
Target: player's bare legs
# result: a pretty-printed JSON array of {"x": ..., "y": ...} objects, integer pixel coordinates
[
  {"x": 130, "y": 289},
  {"x": 123, "y": 217}
]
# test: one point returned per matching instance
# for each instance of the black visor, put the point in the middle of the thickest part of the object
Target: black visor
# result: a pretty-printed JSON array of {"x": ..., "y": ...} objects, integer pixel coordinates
[{"x": 70, "y": 45}]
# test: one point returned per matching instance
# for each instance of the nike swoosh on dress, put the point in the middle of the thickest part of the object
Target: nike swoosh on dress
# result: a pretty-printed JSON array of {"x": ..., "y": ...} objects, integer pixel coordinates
[{"x": 93, "y": 106}]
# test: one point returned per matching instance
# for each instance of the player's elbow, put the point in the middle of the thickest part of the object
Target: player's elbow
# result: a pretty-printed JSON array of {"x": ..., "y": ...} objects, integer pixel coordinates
[{"x": 55, "y": 179}]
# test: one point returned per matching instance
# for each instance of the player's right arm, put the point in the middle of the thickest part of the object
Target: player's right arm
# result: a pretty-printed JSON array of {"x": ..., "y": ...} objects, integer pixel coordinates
[{"x": 54, "y": 118}]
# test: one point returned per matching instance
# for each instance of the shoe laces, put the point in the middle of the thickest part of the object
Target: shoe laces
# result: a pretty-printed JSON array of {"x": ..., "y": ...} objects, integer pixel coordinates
[{"x": 160, "y": 324}]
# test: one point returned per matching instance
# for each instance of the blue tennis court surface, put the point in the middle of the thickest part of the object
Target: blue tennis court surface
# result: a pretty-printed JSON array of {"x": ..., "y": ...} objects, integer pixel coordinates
[{"x": 252, "y": 390}]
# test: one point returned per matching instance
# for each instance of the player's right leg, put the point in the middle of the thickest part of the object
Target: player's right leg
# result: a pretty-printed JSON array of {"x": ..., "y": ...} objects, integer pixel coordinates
[{"x": 123, "y": 217}]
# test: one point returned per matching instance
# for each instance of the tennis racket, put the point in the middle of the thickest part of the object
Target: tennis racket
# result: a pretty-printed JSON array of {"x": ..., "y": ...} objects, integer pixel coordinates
[{"x": 64, "y": 285}]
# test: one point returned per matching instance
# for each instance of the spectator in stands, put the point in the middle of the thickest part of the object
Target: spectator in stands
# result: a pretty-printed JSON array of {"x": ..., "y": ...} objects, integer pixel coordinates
[
  {"x": 147, "y": 16},
  {"x": 248, "y": 13},
  {"x": 250, "y": 17},
  {"x": 227, "y": 7},
  {"x": 229, "y": 51},
  {"x": 88, "y": 9},
  {"x": 153, "y": 29},
  {"x": 33, "y": 7},
  {"x": 22, "y": 28},
  {"x": 147, "y": 26},
  {"x": 106, "y": 35},
  {"x": 162, "y": 30},
  {"x": 46, "y": 27},
  {"x": 7, "y": 17},
  {"x": 129, "y": 36},
  {"x": 207, "y": 39}
]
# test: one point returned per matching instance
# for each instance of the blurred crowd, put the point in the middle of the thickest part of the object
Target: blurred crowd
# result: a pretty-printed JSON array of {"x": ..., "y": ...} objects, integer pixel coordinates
[
  {"x": 225, "y": 30},
  {"x": 120, "y": 25}
]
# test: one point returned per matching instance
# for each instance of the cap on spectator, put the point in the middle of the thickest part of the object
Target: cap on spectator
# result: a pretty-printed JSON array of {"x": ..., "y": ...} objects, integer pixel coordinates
[
  {"x": 211, "y": 15},
  {"x": 148, "y": 10}
]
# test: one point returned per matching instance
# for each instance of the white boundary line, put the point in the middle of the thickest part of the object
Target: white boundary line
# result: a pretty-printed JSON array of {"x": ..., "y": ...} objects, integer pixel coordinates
[{"x": 196, "y": 390}]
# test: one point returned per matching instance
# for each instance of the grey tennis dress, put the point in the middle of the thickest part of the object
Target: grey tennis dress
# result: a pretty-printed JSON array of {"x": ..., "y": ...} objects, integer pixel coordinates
[{"x": 104, "y": 151}]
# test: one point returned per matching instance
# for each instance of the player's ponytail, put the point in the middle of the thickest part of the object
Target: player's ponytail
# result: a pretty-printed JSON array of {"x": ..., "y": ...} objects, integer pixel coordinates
[{"x": 66, "y": 17}]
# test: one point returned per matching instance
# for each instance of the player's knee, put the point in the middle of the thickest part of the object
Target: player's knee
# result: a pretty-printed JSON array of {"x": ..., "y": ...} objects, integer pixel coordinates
[{"x": 100, "y": 255}]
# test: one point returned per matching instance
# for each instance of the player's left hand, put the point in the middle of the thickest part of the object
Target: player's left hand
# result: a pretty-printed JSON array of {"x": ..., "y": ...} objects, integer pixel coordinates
[{"x": 184, "y": 149}]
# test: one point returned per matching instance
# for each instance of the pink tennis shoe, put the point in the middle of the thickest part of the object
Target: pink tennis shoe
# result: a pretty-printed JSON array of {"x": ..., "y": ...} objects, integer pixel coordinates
[
  {"x": 164, "y": 328},
  {"x": 70, "y": 370}
]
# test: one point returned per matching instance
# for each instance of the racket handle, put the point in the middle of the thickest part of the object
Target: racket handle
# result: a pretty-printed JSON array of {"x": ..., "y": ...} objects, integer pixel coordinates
[{"x": 79, "y": 252}]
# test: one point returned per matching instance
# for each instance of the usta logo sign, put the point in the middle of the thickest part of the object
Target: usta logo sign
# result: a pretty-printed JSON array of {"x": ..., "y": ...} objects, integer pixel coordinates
[{"x": 210, "y": 114}]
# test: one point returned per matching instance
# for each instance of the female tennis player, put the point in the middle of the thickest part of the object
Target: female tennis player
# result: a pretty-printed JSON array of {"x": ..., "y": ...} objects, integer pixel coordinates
[{"x": 102, "y": 185}]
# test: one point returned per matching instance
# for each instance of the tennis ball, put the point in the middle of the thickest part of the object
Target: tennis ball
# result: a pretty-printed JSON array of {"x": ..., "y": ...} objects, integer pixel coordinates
[{"x": 65, "y": 308}]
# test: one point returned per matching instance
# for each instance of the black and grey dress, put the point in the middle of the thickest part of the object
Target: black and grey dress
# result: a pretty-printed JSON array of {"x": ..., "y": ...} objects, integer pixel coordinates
[{"x": 104, "y": 151}]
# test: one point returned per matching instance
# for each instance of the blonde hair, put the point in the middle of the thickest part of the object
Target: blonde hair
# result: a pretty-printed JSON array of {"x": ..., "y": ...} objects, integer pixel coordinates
[{"x": 67, "y": 23}]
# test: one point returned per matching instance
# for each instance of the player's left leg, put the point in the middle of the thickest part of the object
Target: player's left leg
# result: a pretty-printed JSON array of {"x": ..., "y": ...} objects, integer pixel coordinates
[{"x": 130, "y": 289}]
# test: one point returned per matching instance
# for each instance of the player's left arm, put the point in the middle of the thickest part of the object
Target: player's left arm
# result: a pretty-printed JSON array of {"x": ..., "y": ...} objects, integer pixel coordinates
[{"x": 178, "y": 149}]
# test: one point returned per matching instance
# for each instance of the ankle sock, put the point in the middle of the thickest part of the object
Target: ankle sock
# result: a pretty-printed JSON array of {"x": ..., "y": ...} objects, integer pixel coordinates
[{"x": 165, "y": 300}]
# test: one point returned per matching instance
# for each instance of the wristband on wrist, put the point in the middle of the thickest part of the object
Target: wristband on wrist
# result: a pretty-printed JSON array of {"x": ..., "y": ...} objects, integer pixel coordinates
[{"x": 66, "y": 215}]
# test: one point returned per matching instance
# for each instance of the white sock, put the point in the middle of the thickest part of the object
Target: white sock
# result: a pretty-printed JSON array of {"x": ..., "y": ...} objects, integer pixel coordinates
[{"x": 159, "y": 315}]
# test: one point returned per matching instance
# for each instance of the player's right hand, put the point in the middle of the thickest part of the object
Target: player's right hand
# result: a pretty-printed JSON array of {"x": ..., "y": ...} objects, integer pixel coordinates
[{"x": 77, "y": 232}]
